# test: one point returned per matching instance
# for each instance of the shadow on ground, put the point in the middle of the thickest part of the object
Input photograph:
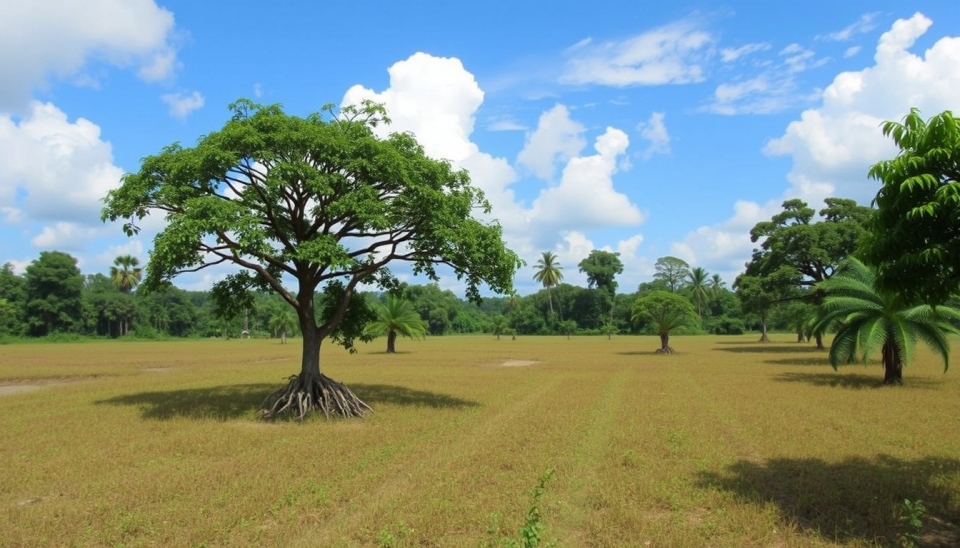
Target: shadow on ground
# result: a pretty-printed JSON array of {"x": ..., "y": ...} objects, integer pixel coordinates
[
  {"x": 244, "y": 400},
  {"x": 819, "y": 360},
  {"x": 857, "y": 500},
  {"x": 767, "y": 348},
  {"x": 853, "y": 380}
]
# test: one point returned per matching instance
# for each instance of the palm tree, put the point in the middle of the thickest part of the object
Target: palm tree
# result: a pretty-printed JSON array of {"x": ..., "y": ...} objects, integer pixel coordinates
[
  {"x": 126, "y": 273},
  {"x": 699, "y": 292},
  {"x": 549, "y": 274},
  {"x": 397, "y": 317},
  {"x": 280, "y": 323},
  {"x": 869, "y": 318},
  {"x": 716, "y": 285},
  {"x": 498, "y": 324}
]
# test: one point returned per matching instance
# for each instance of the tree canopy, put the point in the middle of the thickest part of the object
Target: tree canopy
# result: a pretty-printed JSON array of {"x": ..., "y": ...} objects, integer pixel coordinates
[
  {"x": 914, "y": 240},
  {"x": 602, "y": 268},
  {"x": 667, "y": 312},
  {"x": 320, "y": 200},
  {"x": 673, "y": 272}
]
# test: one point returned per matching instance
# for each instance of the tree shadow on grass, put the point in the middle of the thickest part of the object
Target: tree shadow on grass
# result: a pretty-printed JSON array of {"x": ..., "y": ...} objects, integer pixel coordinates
[
  {"x": 223, "y": 403},
  {"x": 854, "y": 381},
  {"x": 852, "y": 501},
  {"x": 768, "y": 348},
  {"x": 818, "y": 361}
]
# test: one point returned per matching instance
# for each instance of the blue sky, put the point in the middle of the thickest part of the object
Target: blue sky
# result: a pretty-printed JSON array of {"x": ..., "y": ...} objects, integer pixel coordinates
[{"x": 646, "y": 129}]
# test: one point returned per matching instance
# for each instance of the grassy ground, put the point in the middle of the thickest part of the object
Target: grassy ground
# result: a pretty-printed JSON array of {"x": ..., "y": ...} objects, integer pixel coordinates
[{"x": 726, "y": 443}]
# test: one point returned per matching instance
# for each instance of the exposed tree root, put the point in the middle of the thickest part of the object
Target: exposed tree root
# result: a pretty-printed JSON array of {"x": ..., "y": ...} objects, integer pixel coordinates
[
  {"x": 667, "y": 350},
  {"x": 315, "y": 394}
]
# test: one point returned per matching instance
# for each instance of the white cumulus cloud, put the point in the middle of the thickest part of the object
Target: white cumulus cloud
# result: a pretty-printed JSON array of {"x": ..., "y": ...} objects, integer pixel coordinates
[
  {"x": 655, "y": 132},
  {"x": 55, "y": 39},
  {"x": 557, "y": 138},
  {"x": 182, "y": 105}
]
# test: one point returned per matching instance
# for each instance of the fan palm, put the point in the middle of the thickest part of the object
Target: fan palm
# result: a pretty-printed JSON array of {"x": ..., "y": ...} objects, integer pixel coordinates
[
  {"x": 548, "y": 273},
  {"x": 869, "y": 318},
  {"x": 716, "y": 285},
  {"x": 126, "y": 273},
  {"x": 397, "y": 317}
]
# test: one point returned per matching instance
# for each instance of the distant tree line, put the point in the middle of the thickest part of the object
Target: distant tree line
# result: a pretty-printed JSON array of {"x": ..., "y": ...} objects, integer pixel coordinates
[{"x": 53, "y": 297}]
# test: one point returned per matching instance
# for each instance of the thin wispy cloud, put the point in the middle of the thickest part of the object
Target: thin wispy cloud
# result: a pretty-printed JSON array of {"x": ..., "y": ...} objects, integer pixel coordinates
[
  {"x": 865, "y": 24},
  {"x": 728, "y": 55}
]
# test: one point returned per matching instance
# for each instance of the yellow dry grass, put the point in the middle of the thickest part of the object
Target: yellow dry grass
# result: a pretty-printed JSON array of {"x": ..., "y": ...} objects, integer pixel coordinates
[{"x": 726, "y": 443}]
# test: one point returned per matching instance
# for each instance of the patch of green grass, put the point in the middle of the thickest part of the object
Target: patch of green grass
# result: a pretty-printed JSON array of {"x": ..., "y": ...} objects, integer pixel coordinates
[{"x": 726, "y": 443}]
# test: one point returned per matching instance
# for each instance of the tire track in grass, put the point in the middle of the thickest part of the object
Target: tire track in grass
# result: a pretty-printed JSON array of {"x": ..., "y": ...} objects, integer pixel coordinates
[{"x": 425, "y": 462}]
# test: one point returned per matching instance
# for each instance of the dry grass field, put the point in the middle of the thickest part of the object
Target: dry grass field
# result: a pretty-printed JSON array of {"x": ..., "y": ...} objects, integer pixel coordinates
[{"x": 726, "y": 443}]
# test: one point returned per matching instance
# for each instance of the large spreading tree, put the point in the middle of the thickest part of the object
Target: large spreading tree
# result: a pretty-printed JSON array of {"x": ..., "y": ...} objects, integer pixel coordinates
[
  {"x": 914, "y": 240},
  {"x": 799, "y": 251},
  {"x": 311, "y": 208}
]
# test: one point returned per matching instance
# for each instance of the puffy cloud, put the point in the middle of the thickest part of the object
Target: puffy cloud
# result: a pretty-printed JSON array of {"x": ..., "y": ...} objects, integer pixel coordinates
[
  {"x": 834, "y": 145},
  {"x": 54, "y": 170},
  {"x": 56, "y": 38},
  {"x": 671, "y": 54},
  {"x": 64, "y": 236},
  {"x": 436, "y": 99},
  {"x": 655, "y": 131},
  {"x": 182, "y": 105},
  {"x": 585, "y": 197},
  {"x": 557, "y": 138}
]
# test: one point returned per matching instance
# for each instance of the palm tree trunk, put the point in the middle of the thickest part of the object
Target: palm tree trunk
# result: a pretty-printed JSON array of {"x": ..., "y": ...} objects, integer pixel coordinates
[
  {"x": 392, "y": 342},
  {"x": 892, "y": 364}
]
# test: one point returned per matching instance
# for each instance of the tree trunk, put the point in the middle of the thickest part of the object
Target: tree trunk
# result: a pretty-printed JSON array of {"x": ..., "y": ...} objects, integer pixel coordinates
[
  {"x": 763, "y": 326},
  {"x": 799, "y": 335},
  {"x": 665, "y": 344},
  {"x": 311, "y": 390},
  {"x": 819, "y": 338},
  {"x": 892, "y": 364},
  {"x": 391, "y": 342},
  {"x": 283, "y": 336}
]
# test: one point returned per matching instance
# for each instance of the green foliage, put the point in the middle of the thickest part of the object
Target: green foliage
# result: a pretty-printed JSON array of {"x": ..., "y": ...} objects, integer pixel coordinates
[
  {"x": 396, "y": 317},
  {"x": 126, "y": 273},
  {"x": 914, "y": 239},
  {"x": 697, "y": 285},
  {"x": 322, "y": 200},
  {"x": 532, "y": 531},
  {"x": 672, "y": 272},
  {"x": 54, "y": 288},
  {"x": 911, "y": 520},
  {"x": 869, "y": 318},
  {"x": 666, "y": 311},
  {"x": 549, "y": 273},
  {"x": 601, "y": 268}
]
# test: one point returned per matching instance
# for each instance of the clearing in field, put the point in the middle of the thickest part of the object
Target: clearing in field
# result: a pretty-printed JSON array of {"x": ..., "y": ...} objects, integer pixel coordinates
[{"x": 728, "y": 442}]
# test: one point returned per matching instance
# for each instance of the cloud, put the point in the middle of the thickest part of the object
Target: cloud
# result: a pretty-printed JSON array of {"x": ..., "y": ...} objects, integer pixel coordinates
[
  {"x": 436, "y": 99},
  {"x": 586, "y": 197},
  {"x": 863, "y": 25},
  {"x": 505, "y": 123},
  {"x": 851, "y": 51},
  {"x": 833, "y": 145},
  {"x": 557, "y": 138},
  {"x": 728, "y": 55},
  {"x": 655, "y": 131},
  {"x": 182, "y": 105},
  {"x": 55, "y": 39},
  {"x": 65, "y": 236},
  {"x": 671, "y": 54},
  {"x": 54, "y": 170}
]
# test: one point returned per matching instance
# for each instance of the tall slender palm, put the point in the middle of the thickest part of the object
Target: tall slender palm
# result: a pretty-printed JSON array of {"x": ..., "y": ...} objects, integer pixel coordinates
[
  {"x": 716, "y": 285},
  {"x": 699, "y": 291},
  {"x": 126, "y": 273},
  {"x": 869, "y": 318},
  {"x": 549, "y": 274},
  {"x": 397, "y": 317}
]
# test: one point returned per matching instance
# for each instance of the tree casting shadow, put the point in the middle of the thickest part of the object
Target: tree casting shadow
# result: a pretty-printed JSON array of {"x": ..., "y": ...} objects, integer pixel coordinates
[
  {"x": 857, "y": 499},
  {"x": 818, "y": 361},
  {"x": 854, "y": 381},
  {"x": 223, "y": 403}
]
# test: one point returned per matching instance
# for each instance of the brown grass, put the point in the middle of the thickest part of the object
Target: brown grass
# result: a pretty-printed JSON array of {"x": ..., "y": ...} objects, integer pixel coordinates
[{"x": 726, "y": 443}]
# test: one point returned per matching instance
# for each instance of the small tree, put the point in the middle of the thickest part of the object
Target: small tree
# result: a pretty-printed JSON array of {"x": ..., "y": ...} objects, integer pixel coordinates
[
  {"x": 280, "y": 323},
  {"x": 549, "y": 273},
  {"x": 498, "y": 325},
  {"x": 322, "y": 200},
  {"x": 397, "y": 317},
  {"x": 870, "y": 318},
  {"x": 667, "y": 311}
]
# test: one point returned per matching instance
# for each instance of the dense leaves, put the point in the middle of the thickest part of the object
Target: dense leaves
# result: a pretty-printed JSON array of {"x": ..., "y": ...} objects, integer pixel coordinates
[{"x": 914, "y": 240}]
